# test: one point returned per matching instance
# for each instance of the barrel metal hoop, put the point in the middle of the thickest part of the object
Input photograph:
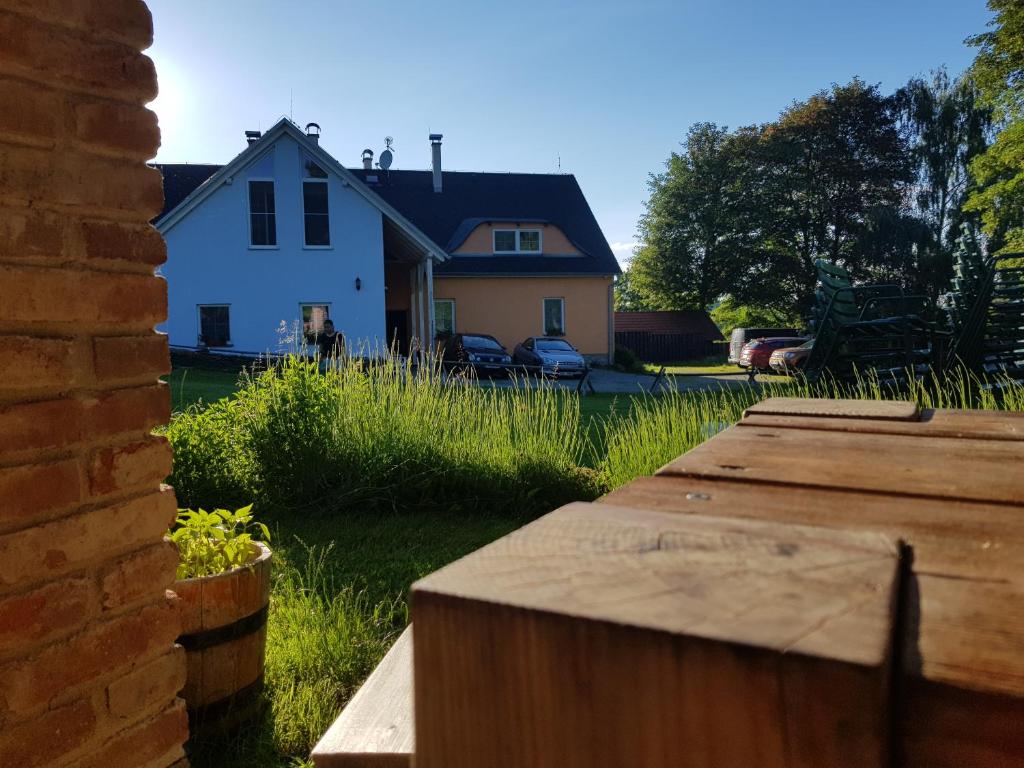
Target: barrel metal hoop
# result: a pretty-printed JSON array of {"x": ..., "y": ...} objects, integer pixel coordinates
[{"x": 196, "y": 641}]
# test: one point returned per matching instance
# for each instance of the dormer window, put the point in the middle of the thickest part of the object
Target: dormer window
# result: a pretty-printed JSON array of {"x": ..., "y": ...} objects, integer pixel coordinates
[{"x": 517, "y": 241}]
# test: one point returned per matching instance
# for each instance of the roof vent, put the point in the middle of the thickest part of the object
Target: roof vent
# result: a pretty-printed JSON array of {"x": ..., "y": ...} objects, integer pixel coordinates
[
  {"x": 367, "y": 159},
  {"x": 435, "y": 153},
  {"x": 251, "y": 137},
  {"x": 315, "y": 136}
]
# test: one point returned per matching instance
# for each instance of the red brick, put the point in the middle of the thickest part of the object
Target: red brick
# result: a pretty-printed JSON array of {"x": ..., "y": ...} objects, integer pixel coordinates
[
  {"x": 120, "y": 468},
  {"x": 122, "y": 129},
  {"x": 74, "y": 179},
  {"x": 152, "y": 684},
  {"x": 159, "y": 737},
  {"x": 96, "y": 653},
  {"x": 30, "y": 363},
  {"x": 37, "y": 489},
  {"x": 124, "y": 242},
  {"x": 34, "y": 294},
  {"x": 47, "y": 550},
  {"x": 39, "y": 426},
  {"x": 29, "y": 113},
  {"x": 56, "y": 55},
  {"x": 32, "y": 617},
  {"x": 141, "y": 575},
  {"x": 128, "y": 410},
  {"x": 48, "y": 737},
  {"x": 126, "y": 20},
  {"x": 131, "y": 357},
  {"x": 27, "y": 233}
]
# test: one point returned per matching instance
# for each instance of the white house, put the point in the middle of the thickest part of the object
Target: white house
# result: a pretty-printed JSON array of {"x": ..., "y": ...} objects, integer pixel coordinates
[{"x": 285, "y": 234}]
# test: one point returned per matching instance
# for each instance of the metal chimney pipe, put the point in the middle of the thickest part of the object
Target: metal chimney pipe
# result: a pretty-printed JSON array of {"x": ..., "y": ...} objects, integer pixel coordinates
[
  {"x": 435, "y": 151},
  {"x": 367, "y": 159}
]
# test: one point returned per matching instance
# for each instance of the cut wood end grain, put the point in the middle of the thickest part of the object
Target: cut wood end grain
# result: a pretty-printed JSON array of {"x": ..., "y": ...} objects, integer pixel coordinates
[
  {"x": 785, "y": 588},
  {"x": 898, "y": 410}
]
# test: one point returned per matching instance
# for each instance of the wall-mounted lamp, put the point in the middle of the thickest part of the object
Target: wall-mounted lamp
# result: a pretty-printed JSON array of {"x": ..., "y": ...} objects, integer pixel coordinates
[{"x": 359, "y": 284}]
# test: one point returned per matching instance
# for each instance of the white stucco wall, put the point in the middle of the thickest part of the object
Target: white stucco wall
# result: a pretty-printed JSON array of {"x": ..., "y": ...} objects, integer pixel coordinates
[{"x": 209, "y": 260}]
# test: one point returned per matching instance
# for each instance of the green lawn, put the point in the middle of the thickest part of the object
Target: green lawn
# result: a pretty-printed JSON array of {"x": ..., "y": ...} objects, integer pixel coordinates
[{"x": 194, "y": 385}]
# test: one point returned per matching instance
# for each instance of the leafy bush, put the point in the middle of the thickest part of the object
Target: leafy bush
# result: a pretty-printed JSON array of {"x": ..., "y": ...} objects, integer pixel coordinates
[
  {"x": 214, "y": 542},
  {"x": 382, "y": 437},
  {"x": 626, "y": 360}
]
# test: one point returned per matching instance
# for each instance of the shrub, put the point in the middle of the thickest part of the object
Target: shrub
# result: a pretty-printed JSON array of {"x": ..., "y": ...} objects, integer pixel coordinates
[{"x": 626, "y": 360}]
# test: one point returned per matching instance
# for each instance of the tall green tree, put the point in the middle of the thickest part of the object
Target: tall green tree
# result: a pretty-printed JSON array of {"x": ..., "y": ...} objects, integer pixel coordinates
[
  {"x": 947, "y": 127},
  {"x": 691, "y": 236},
  {"x": 998, "y": 74}
]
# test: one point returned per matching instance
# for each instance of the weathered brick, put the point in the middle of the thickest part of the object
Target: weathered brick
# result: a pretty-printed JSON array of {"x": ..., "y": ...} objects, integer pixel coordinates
[
  {"x": 97, "y": 652},
  {"x": 148, "y": 686},
  {"x": 29, "y": 113},
  {"x": 131, "y": 357},
  {"x": 46, "y": 550},
  {"x": 34, "y": 294},
  {"x": 39, "y": 426},
  {"x": 27, "y": 233},
  {"x": 122, "y": 129},
  {"x": 141, "y": 575},
  {"x": 32, "y": 617},
  {"x": 43, "y": 740},
  {"x": 159, "y": 737},
  {"x": 127, "y": 410},
  {"x": 139, "y": 243},
  {"x": 34, "y": 490},
  {"x": 73, "y": 179},
  {"x": 57, "y": 55},
  {"x": 128, "y": 21},
  {"x": 120, "y": 468},
  {"x": 31, "y": 363}
]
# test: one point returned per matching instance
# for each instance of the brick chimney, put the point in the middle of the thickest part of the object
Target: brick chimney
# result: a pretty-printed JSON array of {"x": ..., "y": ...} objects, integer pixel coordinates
[{"x": 435, "y": 152}]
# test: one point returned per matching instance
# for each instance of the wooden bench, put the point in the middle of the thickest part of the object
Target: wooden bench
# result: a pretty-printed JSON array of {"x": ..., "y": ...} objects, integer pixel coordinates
[{"x": 827, "y": 583}]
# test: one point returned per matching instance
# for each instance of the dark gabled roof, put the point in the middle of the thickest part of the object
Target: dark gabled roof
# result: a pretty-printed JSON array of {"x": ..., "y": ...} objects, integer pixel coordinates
[
  {"x": 469, "y": 199},
  {"x": 689, "y": 321},
  {"x": 181, "y": 180}
]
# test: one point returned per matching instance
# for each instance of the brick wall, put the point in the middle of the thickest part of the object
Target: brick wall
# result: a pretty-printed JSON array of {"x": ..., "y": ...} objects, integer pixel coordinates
[{"x": 88, "y": 669}]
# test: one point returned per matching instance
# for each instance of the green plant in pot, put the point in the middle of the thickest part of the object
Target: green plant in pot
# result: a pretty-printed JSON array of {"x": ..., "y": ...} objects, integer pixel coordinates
[{"x": 224, "y": 589}]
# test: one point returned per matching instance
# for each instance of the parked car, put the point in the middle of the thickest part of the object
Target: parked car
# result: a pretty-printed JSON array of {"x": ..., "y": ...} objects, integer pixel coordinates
[
  {"x": 740, "y": 336},
  {"x": 787, "y": 360},
  {"x": 756, "y": 354},
  {"x": 550, "y": 356},
  {"x": 476, "y": 351}
]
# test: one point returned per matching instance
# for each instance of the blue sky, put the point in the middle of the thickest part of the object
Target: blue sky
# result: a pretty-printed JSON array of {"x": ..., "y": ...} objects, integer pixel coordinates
[{"x": 610, "y": 88}]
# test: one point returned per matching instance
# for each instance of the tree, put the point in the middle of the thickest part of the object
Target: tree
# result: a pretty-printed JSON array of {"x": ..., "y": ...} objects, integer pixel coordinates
[
  {"x": 627, "y": 298},
  {"x": 691, "y": 237},
  {"x": 947, "y": 127},
  {"x": 998, "y": 74}
]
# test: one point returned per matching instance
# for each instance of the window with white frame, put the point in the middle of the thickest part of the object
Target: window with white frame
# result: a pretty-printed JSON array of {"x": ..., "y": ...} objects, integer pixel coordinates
[
  {"x": 517, "y": 241},
  {"x": 214, "y": 325},
  {"x": 315, "y": 209},
  {"x": 313, "y": 317},
  {"x": 444, "y": 318},
  {"x": 554, "y": 317},
  {"x": 262, "y": 216}
]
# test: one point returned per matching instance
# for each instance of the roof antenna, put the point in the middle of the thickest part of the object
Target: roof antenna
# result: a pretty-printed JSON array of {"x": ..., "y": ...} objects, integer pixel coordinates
[
  {"x": 559, "y": 163},
  {"x": 291, "y": 105}
]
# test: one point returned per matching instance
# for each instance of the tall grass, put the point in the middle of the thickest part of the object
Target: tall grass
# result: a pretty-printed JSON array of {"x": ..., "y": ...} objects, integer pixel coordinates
[{"x": 381, "y": 437}]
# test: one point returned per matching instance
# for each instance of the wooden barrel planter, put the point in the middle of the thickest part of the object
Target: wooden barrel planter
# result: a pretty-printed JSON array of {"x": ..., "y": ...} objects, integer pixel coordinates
[{"x": 224, "y": 633}]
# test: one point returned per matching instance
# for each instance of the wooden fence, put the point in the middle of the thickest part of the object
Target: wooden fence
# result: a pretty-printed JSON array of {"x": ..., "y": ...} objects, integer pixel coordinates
[{"x": 665, "y": 347}]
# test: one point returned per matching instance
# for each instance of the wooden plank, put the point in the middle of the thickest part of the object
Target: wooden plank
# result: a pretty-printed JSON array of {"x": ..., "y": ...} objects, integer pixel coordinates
[
  {"x": 983, "y": 425},
  {"x": 376, "y": 728},
  {"x": 964, "y": 622},
  {"x": 898, "y": 410},
  {"x": 606, "y": 636},
  {"x": 979, "y": 470}
]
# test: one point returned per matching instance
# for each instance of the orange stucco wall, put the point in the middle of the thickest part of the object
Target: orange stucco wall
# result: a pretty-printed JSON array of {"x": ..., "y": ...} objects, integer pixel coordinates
[
  {"x": 511, "y": 308},
  {"x": 553, "y": 240}
]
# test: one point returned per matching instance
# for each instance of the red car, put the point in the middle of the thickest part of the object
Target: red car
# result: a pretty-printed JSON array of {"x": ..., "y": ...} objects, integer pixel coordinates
[{"x": 756, "y": 354}]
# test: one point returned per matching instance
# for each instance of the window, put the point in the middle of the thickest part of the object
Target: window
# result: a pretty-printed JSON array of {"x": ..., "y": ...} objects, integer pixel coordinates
[
  {"x": 314, "y": 204},
  {"x": 262, "y": 221},
  {"x": 517, "y": 241},
  {"x": 554, "y": 317},
  {"x": 313, "y": 316},
  {"x": 214, "y": 325},
  {"x": 444, "y": 317}
]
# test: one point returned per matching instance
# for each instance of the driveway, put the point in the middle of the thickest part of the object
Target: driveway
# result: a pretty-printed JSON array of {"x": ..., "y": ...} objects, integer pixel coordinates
[{"x": 616, "y": 382}]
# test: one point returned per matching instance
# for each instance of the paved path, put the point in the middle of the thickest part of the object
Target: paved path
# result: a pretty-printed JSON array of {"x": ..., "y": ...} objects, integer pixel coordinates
[{"x": 616, "y": 382}]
